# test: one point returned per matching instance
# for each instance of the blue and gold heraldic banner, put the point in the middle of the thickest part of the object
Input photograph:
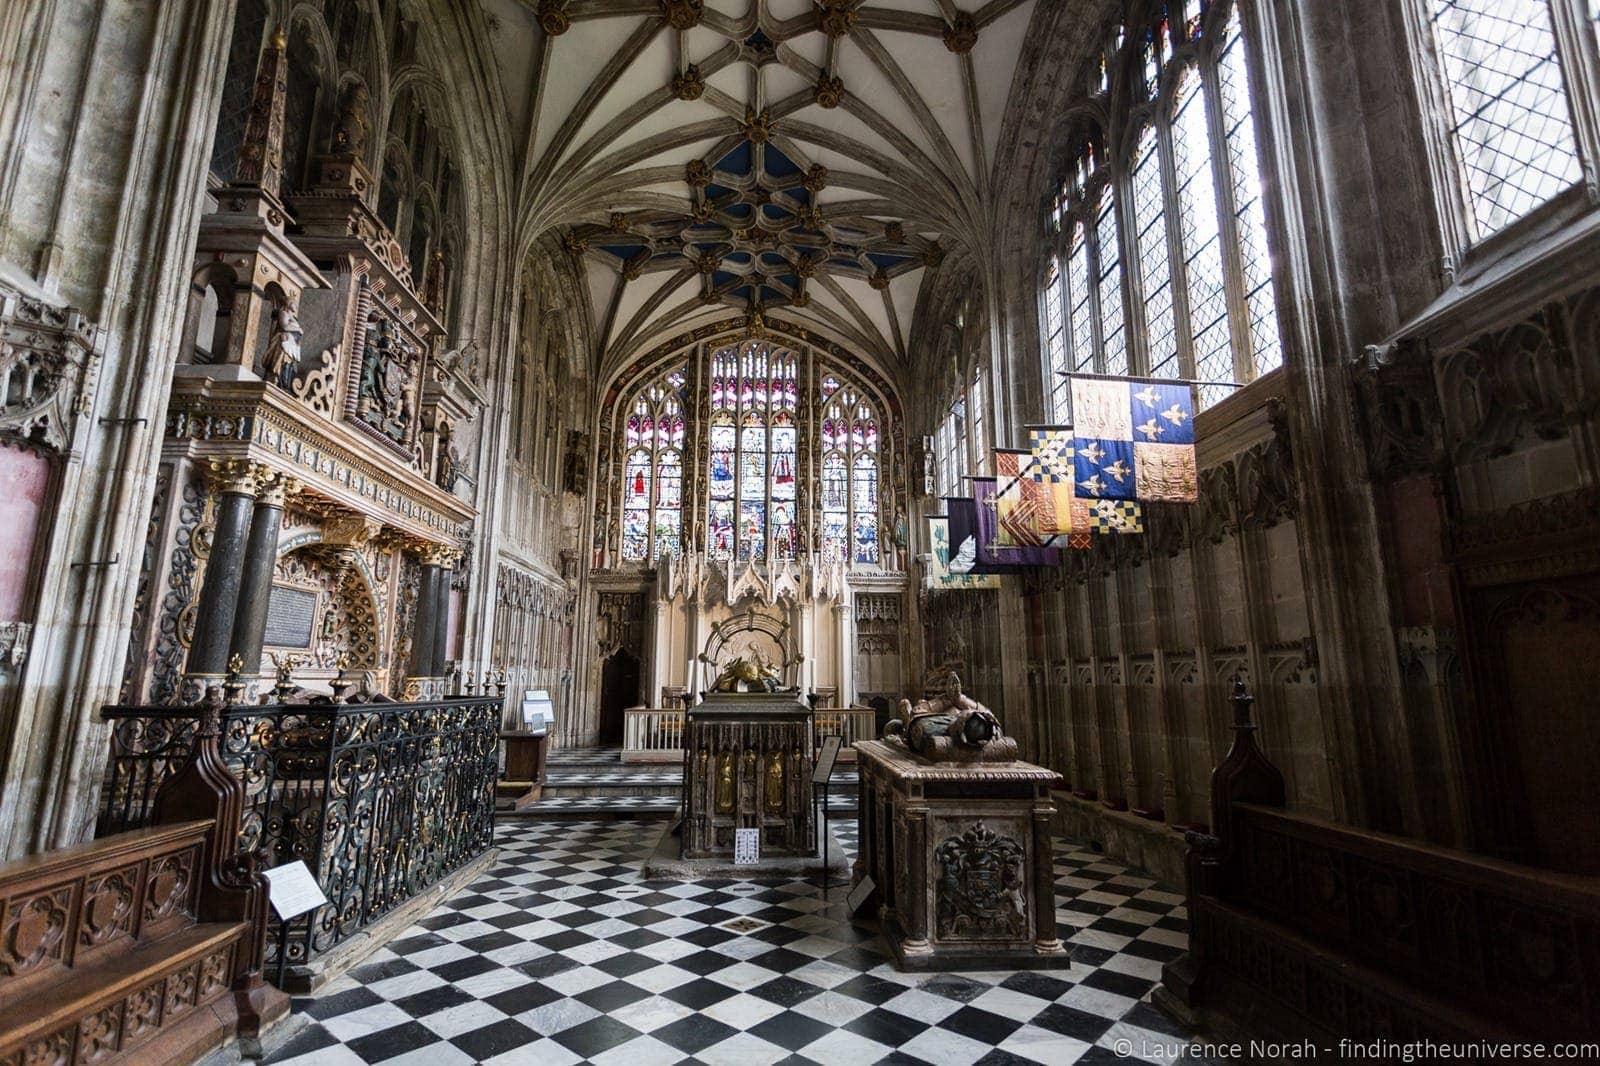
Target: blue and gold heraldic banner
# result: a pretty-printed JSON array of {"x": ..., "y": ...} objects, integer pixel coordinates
[{"x": 1133, "y": 439}]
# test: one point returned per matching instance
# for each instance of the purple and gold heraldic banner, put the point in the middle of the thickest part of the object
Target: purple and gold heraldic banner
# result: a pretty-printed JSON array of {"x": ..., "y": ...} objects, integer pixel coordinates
[
  {"x": 966, "y": 557},
  {"x": 1133, "y": 439},
  {"x": 992, "y": 553}
]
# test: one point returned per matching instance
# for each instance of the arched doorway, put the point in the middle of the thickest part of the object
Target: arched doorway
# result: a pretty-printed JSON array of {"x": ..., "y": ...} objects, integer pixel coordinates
[{"x": 619, "y": 690}]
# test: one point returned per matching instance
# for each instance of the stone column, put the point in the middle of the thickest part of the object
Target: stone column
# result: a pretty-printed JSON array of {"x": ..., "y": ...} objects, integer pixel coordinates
[
  {"x": 255, "y": 583},
  {"x": 914, "y": 908},
  {"x": 1045, "y": 940},
  {"x": 235, "y": 483},
  {"x": 844, "y": 643},
  {"x": 441, "y": 620}
]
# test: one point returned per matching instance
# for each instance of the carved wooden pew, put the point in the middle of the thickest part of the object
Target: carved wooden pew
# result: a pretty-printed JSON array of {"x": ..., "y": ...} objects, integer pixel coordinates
[
  {"x": 144, "y": 946},
  {"x": 1300, "y": 927}
]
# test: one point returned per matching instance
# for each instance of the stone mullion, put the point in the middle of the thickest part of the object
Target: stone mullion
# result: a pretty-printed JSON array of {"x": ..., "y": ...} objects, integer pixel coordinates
[
  {"x": 1060, "y": 680},
  {"x": 1105, "y": 746},
  {"x": 1206, "y": 636}
]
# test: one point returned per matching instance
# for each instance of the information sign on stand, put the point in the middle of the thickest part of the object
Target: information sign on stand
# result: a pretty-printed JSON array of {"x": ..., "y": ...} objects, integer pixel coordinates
[
  {"x": 746, "y": 847},
  {"x": 292, "y": 890},
  {"x": 825, "y": 759}
]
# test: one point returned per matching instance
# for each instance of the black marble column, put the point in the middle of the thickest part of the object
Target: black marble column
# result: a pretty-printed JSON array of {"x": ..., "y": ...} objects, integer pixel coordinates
[
  {"x": 219, "y": 591},
  {"x": 441, "y": 623},
  {"x": 423, "y": 644},
  {"x": 255, "y": 587}
]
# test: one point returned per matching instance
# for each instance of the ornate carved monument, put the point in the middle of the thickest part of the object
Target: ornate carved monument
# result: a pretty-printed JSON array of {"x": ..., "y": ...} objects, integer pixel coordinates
[{"x": 955, "y": 832}]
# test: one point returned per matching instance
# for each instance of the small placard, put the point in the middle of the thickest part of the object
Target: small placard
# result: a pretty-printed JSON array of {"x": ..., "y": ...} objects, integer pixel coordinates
[
  {"x": 859, "y": 894},
  {"x": 746, "y": 847},
  {"x": 292, "y": 890},
  {"x": 825, "y": 760}
]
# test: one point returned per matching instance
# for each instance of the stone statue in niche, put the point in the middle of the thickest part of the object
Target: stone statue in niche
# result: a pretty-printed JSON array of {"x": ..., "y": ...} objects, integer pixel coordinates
[
  {"x": 281, "y": 361},
  {"x": 433, "y": 283},
  {"x": 385, "y": 393},
  {"x": 951, "y": 727},
  {"x": 349, "y": 135}
]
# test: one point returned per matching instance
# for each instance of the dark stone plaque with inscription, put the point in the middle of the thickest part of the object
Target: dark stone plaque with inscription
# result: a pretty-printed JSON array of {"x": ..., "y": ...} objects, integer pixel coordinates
[{"x": 291, "y": 615}]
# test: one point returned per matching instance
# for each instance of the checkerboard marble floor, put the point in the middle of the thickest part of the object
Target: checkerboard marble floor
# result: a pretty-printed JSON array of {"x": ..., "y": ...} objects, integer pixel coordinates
[{"x": 563, "y": 953}]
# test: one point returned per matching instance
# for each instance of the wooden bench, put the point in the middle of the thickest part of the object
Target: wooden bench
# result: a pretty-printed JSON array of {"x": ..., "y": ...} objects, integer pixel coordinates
[
  {"x": 143, "y": 947},
  {"x": 1303, "y": 928}
]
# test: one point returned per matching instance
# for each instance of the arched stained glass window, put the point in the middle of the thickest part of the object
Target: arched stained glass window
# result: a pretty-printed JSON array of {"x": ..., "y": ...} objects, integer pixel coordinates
[
  {"x": 1155, "y": 270},
  {"x": 752, "y": 475},
  {"x": 850, "y": 511},
  {"x": 652, "y": 488}
]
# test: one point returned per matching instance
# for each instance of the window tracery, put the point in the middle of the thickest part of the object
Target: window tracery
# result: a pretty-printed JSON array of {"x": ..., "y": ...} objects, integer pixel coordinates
[
  {"x": 769, "y": 413},
  {"x": 1179, "y": 150}
]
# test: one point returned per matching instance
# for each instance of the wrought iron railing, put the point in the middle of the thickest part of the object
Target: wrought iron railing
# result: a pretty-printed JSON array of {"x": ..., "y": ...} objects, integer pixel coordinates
[{"x": 381, "y": 800}]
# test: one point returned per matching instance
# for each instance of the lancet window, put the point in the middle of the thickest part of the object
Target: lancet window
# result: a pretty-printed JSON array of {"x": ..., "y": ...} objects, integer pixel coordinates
[
  {"x": 652, "y": 493},
  {"x": 1160, "y": 261}
]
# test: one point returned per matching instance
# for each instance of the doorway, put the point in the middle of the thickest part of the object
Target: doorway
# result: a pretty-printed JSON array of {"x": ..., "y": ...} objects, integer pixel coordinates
[{"x": 619, "y": 690}]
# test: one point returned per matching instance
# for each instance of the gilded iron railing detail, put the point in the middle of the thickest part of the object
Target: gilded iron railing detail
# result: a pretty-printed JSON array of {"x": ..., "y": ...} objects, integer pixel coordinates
[{"x": 381, "y": 800}]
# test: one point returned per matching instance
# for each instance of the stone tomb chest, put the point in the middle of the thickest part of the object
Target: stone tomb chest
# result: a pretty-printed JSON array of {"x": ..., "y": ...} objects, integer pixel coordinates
[
  {"x": 747, "y": 764},
  {"x": 961, "y": 856}
]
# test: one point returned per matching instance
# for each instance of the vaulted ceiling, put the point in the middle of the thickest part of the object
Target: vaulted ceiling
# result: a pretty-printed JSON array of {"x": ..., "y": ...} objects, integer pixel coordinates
[{"x": 809, "y": 157}]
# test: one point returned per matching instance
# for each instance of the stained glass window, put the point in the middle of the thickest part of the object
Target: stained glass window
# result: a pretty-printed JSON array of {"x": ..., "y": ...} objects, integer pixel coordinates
[
  {"x": 1250, "y": 222},
  {"x": 652, "y": 487},
  {"x": 1510, "y": 120},
  {"x": 752, "y": 476},
  {"x": 1113, "y": 343},
  {"x": 849, "y": 498},
  {"x": 1057, "y": 346}
]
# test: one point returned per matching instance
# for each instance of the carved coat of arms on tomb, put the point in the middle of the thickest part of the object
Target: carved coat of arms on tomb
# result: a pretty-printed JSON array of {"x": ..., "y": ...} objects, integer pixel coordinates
[{"x": 981, "y": 891}]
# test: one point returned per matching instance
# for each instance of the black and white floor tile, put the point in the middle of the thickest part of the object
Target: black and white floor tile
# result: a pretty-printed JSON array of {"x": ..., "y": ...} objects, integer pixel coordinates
[{"x": 562, "y": 954}]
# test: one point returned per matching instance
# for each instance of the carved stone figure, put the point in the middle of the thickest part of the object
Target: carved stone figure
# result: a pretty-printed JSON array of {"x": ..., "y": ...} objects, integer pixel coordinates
[
  {"x": 951, "y": 727},
  {"x": 281, "y": 361}
]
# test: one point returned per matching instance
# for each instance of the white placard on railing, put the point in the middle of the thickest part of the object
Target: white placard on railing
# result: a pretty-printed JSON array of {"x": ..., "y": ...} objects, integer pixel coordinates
[{"x": 292, "y": 890}]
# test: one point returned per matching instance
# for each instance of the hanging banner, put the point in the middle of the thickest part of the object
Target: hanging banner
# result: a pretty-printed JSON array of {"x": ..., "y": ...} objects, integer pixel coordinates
[
  {"x": 992, "y": 554},
  {"x": 940, "y": 575},
  {"x": 1133, "y": 439}
]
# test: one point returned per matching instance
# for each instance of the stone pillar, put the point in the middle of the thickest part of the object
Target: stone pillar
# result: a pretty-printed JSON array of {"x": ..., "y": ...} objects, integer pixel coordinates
[
  {"x": 1045, "y": 940},
  {"x": 235, "y": 483},
  {"x": 914, "y": 908},
  {"x": 422, "y": 625},
  {"x": 844, "y": 639},
  {"x": 255, "y": 583}
]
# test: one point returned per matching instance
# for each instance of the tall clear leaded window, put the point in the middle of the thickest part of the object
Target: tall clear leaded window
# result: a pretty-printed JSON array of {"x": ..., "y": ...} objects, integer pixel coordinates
[
  {"x": 1508, "y": 72},
  {"x": 652, "y": 490},
  {"x": 1179, "y": 189}
]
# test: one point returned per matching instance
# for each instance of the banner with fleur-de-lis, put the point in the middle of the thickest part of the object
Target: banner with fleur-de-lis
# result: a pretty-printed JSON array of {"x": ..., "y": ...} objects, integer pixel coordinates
[{"x": 1133, "y": 439}]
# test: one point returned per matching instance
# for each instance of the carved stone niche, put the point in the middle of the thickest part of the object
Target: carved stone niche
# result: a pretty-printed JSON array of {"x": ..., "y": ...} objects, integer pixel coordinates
[{"x": 45, "y": 364}]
